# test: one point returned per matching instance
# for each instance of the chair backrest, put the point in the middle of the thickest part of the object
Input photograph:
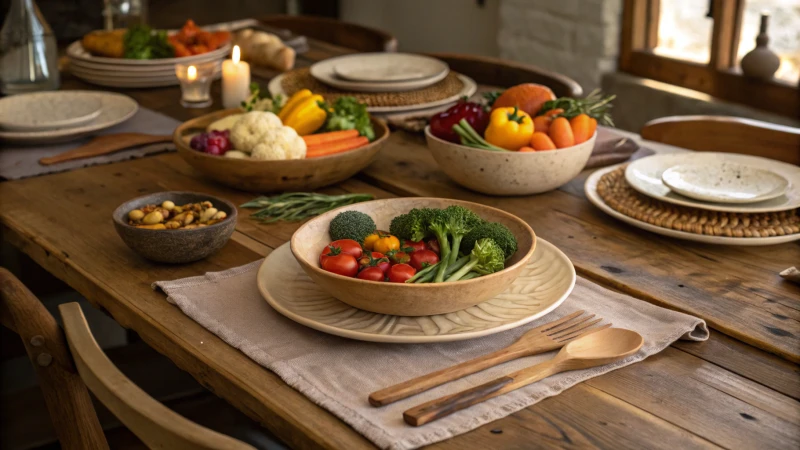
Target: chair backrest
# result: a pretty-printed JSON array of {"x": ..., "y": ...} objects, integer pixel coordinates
[
  {"x": 727, "y": 134},
  {"x": 503, "y": 73},
  {"x": 350, "y": 35},
  {"x": 156, "y": 425}
]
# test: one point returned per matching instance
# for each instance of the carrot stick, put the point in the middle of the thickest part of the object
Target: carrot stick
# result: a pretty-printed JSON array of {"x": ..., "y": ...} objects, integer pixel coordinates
[
  {"x": 331, "y": 136},
  {"x": 339, "y": 146}
]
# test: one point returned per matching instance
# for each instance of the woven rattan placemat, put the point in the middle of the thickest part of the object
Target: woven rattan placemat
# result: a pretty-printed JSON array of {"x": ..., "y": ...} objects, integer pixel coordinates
[
  {"x": 620, "y": 196},
  {"x": 298, "y": 79}
]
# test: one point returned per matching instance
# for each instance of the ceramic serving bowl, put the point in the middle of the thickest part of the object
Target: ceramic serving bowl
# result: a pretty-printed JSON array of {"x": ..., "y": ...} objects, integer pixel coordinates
[
  {"x": 409, "y": 299},
  {"x": 275, "y": 176},
  {"x": 509, "y": 173},
  {"x": 175, "y": 246}
]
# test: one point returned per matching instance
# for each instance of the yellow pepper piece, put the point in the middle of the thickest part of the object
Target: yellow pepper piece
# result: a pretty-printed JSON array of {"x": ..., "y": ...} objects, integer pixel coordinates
[
  {"x": 294, "y": 100},
  {"x": 509, "y": 128},
  {"x": 307, "y": 116}
]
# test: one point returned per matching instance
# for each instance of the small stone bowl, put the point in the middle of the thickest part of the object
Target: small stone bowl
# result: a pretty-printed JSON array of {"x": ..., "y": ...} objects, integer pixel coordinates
[{"x": 175, "y": 246}]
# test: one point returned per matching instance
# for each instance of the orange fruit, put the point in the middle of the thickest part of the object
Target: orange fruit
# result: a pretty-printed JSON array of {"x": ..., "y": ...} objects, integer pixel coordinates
[{"x": 528, "y": 97}]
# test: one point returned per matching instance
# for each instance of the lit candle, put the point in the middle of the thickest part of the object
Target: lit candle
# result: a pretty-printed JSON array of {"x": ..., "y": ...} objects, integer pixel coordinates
[
  {"x": 235, "y": 80},
  {"x": 191, "y": 73}
]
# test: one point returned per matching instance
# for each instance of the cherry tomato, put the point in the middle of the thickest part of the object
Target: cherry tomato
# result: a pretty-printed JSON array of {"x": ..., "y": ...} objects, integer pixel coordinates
[
  {"x": 415, "y": 246},
  {"x": 387, "y": 244},
  {"x": 399, "y": 273},
  {"x": 399, "y": 257},
  {"x": 377, "y": 260},
  {"x": 373, "y": 273},
  {"x": 421, "y": 258},
  {"x": 340, "y": 264},
  {"x": 369, "y": 241},
  {"x": 344, "y": 246},
  {"x": 433, "y": 245}
]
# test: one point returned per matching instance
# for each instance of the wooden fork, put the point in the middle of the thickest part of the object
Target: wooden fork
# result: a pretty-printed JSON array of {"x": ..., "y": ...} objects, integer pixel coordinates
[{"x": 545, "y": 338}]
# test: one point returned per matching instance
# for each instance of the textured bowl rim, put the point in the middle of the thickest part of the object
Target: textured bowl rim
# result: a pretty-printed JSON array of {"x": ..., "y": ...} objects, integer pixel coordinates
[
  {"x": 177, "y": 139},
  {"x": 233, "y": 216},
  {"x": 430, "y": 135},
  {"x": 464, "y": 203}
]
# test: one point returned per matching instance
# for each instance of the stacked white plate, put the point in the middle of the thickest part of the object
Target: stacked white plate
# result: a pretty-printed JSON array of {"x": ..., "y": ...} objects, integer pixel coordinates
[
  {"x": 134, "y": 73},
  {"x": 723, "y": 182}
]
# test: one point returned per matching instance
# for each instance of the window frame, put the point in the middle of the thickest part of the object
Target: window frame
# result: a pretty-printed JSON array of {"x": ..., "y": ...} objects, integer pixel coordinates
[{"x": 720, "y": 77}]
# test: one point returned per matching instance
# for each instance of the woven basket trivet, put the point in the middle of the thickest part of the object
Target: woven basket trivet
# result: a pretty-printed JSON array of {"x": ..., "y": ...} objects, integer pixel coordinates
[
  {"x": 620, "y": 196},
  {"x": 298, "y": 79}
]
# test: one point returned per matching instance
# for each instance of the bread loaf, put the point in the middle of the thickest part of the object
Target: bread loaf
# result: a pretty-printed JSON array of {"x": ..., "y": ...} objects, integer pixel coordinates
[{"x": 265, "y": 49}]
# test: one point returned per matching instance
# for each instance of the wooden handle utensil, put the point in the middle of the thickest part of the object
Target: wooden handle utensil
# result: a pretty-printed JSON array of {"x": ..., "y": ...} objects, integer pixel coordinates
[
  {"x": 593, "y": 350},
  {"x": 103, "y": 145}
]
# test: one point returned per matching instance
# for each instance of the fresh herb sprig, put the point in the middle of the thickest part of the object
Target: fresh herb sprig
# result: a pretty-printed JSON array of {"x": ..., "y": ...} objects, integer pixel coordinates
[
  {"x": 258, "y": 101},
  {"x": 142, "y": 42},
  {"x": 294, "y": 206},
  {"x": 347, "y": 113},
  {"x": 594, "y": 105}
]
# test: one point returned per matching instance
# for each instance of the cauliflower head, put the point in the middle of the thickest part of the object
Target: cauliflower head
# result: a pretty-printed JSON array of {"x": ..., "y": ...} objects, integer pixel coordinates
[
  {"x": 281, "y": 143},
  {"x": 252, "y": 129}
]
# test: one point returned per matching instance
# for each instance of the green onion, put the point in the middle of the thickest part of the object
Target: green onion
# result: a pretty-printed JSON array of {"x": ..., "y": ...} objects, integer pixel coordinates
[
  {"x": 472, "y": 138},
  {"x": 294, "y": 206}
]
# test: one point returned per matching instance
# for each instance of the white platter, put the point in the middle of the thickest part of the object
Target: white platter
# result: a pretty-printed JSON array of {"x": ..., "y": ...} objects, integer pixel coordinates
[
  {"x": 116, "y": 108},
  {"x": 387, "y": 67},
  {"x": 544, "y": 284},
  {"x": 645, "y": 174},
  {"x": 124, "y": 79},
  {"x": 325, "y": 72},
  {"x": 41, "y": 111},
  {"x": 725, "y": 182},
  {"x": 469, "y": 88},
  {"x": 77, "y": 52},
  {"x": 590, "y": 189}
]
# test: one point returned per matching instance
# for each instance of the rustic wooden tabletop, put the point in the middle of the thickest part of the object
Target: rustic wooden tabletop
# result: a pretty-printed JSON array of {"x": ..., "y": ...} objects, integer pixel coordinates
[{"x": 740, "y": 389}]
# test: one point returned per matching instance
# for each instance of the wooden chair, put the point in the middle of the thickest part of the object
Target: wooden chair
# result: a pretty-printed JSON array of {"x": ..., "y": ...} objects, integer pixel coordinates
[
  {"x": 727, "y": 134},
  {"x": 64, "y": 378},
  {"x": 503, "y": 73},
  {"x": 350, "y": 35}
]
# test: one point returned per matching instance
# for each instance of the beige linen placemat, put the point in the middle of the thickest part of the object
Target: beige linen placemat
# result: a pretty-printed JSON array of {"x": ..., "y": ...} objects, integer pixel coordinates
[{"x": 338, "y": 374}]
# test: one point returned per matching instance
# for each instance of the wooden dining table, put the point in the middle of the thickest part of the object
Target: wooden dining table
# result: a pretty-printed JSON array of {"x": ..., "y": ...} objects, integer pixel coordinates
[{"x": 739, "y": 389}]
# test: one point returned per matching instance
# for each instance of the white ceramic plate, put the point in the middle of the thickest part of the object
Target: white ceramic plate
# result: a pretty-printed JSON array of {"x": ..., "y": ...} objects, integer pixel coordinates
[
  {"x": 387, "y": 67},
  {"x": 41, "y": 111},
  {"x": 469, "y": 88},
  {"x": 591, "y": 193},
  {"x": 545, "y": 283},
  {"x": 645, "y": 174},
  {"x": 77, "y": 52},
  {"x": 124, "y": 79},
  {"x": 118, "y": 70},
  {"x": 324, "y": 71},
  {"x": 116, "y": 108},
  {"x": 726, "y": 182}
]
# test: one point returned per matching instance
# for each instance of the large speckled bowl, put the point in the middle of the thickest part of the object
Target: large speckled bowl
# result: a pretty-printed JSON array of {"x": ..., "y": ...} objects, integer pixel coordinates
[
  {"x": 401, "y": 299},
  {"x": 175, "y": 246},
  {"x": 509, "y": 173}
]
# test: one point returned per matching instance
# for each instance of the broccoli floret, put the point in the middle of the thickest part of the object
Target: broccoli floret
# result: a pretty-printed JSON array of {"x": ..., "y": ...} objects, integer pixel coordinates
[
  {"x": 486, "y": 257},
  {"x": 460, "y": 221},
  {"x": 498, "y": 232},
  {"x": 413, "y": 225},
  {"x": 353, "y": 225}
]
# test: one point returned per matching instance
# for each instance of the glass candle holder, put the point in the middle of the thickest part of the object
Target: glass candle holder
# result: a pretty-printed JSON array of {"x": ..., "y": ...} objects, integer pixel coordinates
[{"x": 195, "y": 82}]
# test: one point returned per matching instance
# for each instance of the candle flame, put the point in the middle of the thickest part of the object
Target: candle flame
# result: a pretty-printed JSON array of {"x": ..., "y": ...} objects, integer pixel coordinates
[
  {"x": 236, "y": 54},
  {"x": 191, "y": 73}
]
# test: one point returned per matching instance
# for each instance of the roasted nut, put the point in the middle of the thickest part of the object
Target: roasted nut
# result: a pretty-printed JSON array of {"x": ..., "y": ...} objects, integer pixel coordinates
[
  {"x": 206, "y": 215},
  {"x": 153, "y": 218},
  {"x": 177, "y": 209},
  {"x": 206, "y": 204},
  {"x": 172, "y": 225},
  {"x": 155, "y": 226},
  {"x": 189, "y": 227},
  {"x": 165, "y": 213},
  {"x": 189, "y": 218},
  {"x": 219, "y": 216},
  {"x": 136, "y": 215},
  {"x": 168, "y": 205}
]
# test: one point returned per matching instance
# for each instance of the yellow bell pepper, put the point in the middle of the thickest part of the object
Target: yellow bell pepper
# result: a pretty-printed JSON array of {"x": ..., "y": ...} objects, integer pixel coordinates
[
  {"x": 509, "y": 128},
  {"x": 293, "y": 101},
  {"x": 304, "y": 115}
]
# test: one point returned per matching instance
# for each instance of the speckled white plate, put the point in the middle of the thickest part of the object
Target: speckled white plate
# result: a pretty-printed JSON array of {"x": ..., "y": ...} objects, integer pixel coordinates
[
  {"x": 325, "y": 71},
  {"x": 726, "y": 182},
  {"x": 590, "y": 188},
  {"x": 545, "y": 283},
  {"x": 40, "y": 111},
  {"x": 387, "y": 67},
  {"x": 645, "y": 174},
  {"x": 116, "y": 108}
]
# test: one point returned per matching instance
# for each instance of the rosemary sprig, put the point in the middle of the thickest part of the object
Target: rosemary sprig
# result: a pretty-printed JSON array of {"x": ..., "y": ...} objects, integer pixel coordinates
[
  {"x": 594, "y": 105},
  {"x": 294, "y": 206}
]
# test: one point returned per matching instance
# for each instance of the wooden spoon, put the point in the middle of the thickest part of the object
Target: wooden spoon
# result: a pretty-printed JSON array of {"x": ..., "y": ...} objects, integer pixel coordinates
[
  {"x": 595, "y": 349},
  {"x": 103, "y": 145}
]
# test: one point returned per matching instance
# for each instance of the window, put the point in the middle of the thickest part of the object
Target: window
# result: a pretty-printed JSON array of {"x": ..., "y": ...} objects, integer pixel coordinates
[{"x": 698, "y": 45}]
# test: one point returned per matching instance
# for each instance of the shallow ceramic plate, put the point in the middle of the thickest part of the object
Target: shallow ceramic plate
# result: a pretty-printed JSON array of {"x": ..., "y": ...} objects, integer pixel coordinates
[
  {"x": 726, "y": 182},
  {"x": 590, "y": 189},
  {"x": 325, "y": 71},
  {"x": 125, "y": 79},
  {"x": 116, "y": 108},
  {"x": 76, "y": 51},
  {"x": 545, "y": 283},
  {"x": 644, "y": 175},
  {"x": 469, "y": 88},
  {"x": 383, "y": 67},
  {"x": 48, "y": 110}
]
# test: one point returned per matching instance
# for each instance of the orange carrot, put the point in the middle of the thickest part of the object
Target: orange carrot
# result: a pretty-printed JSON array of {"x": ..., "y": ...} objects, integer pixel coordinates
[
  {"x": 581, "y": 126},
  {"x": 592, "y": 126},
  {"x": 541, "y": 141},
  {"x": 331, "y": 148},
  {"x": 561, "y": 133},
  {"x": 542, "y": 123},
  {"x": 527, "y": 149},
  {"x": 331, "y": 136}
]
